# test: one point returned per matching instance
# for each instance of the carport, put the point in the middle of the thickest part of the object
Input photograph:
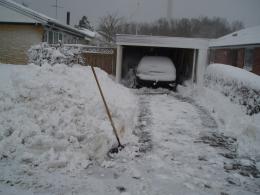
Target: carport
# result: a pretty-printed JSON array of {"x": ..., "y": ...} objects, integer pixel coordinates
[{"x": 188, "y": 54}]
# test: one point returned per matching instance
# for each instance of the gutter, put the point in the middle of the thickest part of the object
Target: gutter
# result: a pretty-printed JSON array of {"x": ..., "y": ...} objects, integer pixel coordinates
[{"x": 235, "y": 46}]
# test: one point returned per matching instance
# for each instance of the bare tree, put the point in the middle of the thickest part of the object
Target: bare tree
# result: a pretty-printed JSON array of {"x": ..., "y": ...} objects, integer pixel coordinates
[
  {"x": 109, "y": 25},
  {"x": 203, "y": 27},
  {"x": 237, "y": 25}
]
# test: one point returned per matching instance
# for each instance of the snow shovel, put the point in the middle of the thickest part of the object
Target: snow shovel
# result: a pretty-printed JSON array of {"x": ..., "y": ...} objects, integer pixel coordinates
[{"x": 120, "y": 146}]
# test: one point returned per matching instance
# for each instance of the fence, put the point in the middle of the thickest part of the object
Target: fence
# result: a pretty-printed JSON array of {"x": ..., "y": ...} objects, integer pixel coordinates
[{"x": 104, "y": 58}]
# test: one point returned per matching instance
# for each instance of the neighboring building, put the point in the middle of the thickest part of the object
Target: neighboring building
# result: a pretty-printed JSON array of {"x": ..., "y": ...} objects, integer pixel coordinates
[
  {"x": 240, "y": 49},
  {"x": 191, "y": 55},
  {"x": 21, "y": 27},
  {"x": 188, "y": 54}
]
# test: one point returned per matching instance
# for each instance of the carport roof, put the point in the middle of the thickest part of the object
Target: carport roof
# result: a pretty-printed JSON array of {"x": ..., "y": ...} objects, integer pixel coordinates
[{"x": 162, "y": 41}]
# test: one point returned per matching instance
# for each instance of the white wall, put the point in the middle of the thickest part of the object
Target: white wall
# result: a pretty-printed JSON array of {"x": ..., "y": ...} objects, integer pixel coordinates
[
  {"x": 119, "y": 63},
  {"x": 201, "y": 65}
]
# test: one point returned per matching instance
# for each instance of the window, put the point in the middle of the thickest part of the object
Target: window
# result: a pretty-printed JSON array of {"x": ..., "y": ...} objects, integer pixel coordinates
[
  {"x": 249, "y": 58},
  {"x": 50, "y": 37},
  {"x": 56, "y": 37},
  {"x": 60, "y": 37},
  {"x": 53, "y": 37},
  {"x": 45, "y": 36}
]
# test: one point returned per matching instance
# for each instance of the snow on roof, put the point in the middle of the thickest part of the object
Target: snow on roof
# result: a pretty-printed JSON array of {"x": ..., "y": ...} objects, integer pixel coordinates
[
  {"x": 41, "y": 18},
  {"x": 88, "y": 32},
  {"x": 162, "y": 41},
  {"x": 246, "y": 36}
]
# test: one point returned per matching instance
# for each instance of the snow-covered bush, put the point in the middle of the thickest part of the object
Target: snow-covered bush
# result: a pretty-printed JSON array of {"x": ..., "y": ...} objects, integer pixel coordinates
[
  {"x": 239, "y": 85},
  {"x": 53, "y": 116},
  {"x": 44, "y": 53}
]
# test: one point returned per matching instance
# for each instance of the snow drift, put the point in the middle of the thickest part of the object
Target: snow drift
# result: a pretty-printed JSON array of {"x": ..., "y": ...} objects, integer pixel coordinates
[
  {"x": 53, "y": 116},
  {"x": 239, "y": 85}
]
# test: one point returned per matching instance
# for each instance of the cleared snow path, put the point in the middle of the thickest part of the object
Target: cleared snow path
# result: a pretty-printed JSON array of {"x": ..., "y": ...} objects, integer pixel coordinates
[
  {"x": 189, "y": 155},
  {"x": 207, "y": 120},
  {"x": 143, "y": 124}
]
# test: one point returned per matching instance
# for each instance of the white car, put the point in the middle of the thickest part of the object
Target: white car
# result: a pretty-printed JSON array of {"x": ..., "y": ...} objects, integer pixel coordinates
[{"x": 156, "y": 71}]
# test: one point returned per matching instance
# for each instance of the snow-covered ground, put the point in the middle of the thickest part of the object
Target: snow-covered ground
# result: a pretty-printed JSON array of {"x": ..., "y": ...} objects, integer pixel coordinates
[{"x": 192, "y": 142}]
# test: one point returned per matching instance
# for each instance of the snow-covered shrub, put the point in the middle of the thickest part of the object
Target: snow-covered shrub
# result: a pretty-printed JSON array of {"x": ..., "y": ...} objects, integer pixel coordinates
[
  {"x": 53, "y": 116},
  {"x": 129, "y": 79},
  {"x": 239, "y": 85},
  {"x": 44, "y": 53}
]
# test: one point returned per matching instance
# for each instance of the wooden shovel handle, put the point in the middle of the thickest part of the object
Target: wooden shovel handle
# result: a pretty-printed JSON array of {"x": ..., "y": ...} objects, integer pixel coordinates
[{"x": 107, "y": 110}]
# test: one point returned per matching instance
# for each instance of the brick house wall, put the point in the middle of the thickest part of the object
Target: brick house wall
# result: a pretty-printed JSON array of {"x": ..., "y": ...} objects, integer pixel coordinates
[
  {"x": 256, "y": 64},
  {"x": 15, "y": 41},
  {"x": 222, "y": 56},
  {"x": 235, "y": 57},
  {"x": 240, "y": 58}
]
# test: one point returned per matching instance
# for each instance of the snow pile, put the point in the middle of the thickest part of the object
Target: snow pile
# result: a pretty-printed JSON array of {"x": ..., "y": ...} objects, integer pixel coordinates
[
  {"x": 44, "y": 53},
  {"x": 239, "y": 85},
  {"x": 53, "y": 116}
]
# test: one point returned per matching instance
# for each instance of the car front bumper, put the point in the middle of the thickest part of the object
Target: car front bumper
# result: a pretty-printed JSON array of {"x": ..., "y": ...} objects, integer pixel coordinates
[{"x": 155, "y": 84}]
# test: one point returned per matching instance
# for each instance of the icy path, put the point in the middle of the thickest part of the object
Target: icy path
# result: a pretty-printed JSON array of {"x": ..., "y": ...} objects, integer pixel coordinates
[{"x": 170, "y": 159}]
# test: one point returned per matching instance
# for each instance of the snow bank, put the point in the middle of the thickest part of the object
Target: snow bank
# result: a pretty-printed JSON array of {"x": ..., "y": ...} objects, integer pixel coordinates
[
  {"x": 230, "y": 117},
  {"x": 239, "y": 85},
  {"x": 53, "y": 117},
  {"x": 44, "y": 53}
]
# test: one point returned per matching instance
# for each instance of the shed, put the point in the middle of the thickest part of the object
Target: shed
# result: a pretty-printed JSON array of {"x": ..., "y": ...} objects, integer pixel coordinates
[
  {"x": 21, "y": 27},
  {"x": 240, "y": 49},
  {"x": 188, "y": 54}
]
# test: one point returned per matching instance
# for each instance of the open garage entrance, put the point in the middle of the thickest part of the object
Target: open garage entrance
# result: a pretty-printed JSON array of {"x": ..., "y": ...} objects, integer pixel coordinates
[
  {"x": 188, "y": 54},
  {"x": 182, "y": 59}
]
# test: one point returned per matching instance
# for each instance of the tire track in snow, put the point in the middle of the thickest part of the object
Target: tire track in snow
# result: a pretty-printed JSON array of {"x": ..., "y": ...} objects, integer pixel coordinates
[
  {"x": 206, "y": 119},
  {"x": 143, "y": 123}
]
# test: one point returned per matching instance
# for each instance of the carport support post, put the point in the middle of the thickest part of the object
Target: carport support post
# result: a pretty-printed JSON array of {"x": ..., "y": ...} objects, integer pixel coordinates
[
  {"x": 194, "y": 65},
  {"x": 201, "y": 65},
  {"x": 119, "y": 63}
]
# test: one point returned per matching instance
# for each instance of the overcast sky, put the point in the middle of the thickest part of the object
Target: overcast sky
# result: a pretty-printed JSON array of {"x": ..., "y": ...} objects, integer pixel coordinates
[{"x": 247, "y": 11}]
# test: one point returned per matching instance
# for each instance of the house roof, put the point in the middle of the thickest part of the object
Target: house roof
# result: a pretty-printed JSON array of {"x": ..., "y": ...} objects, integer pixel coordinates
[
  {"x": 248, "y": 36},
  {"x": 27, "y": 15},
  {"x": 162, "y": 41}
]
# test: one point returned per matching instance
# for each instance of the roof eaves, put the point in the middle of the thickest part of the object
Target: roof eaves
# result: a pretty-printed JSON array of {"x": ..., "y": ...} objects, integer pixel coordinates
[
  {"x": 235, "y": 46},
  {"x": 67, "y": 28},
  {"x": 162, "y": 41}
]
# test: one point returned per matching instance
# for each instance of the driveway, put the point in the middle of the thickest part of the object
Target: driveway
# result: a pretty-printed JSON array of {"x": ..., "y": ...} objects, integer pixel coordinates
[{"x": 180, "y": 150}]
